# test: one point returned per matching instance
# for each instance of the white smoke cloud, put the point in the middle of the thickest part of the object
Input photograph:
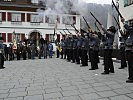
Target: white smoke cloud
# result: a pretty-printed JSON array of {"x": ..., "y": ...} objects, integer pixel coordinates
[{"x": 65, "y": 6}]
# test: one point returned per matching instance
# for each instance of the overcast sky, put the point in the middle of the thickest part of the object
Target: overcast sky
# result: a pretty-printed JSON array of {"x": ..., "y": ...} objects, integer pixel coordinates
[{"x": 98, "y": 1}]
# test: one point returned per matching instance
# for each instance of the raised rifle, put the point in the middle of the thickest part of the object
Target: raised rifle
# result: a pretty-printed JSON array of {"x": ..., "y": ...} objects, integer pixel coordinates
[
  {"x": 86, "y": 22},
  {"x": 119, "y": 27},
  {"x": 95, "y": 18},
  {"x": 75, "y": 28},
  {"x": 117, "y": 22},
  {"x": 61, "y": 33},
  {"x": 65, "y": 32},
  {"x": 117, "y": 9},
  {"x": 97, "y": 26},
  {"x": 68, "y": 31}
]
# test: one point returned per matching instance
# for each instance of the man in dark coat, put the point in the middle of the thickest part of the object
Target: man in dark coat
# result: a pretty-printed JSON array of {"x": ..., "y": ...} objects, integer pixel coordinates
[
  {"x": 108, "y": 62},
  {"x": 129, "y": 50},
  {"x": 1, "y": 54}
]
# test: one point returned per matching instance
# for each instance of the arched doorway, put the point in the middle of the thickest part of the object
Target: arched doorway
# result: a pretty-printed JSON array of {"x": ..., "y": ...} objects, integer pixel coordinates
[{"x": 35, "y": 36}]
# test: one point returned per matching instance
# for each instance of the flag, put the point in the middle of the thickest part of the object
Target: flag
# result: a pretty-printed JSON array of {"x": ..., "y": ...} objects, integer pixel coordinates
[
  {"x": 55, "y": 30},
  {"x": 14, "y": 40}
]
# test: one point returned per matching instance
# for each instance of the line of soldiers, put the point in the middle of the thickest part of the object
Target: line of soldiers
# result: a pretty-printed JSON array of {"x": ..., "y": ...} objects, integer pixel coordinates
[
  {"x": 25, "y": 50},
  {"x": 76, "y": 49}
]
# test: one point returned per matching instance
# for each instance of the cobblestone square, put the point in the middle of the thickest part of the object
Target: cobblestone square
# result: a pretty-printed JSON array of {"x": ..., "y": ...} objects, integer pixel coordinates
[{"x": 57, "y": 79}]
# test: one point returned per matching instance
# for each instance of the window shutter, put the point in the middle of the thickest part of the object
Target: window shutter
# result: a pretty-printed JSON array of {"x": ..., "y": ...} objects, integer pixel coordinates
[
  {"x": 28, "y": 17},
  {"x": 4, "y": 36},
  {"x": 47, "y": 37},
  {"x": 9, "y": 37},
  {"x": 23, "y": 17},
  {"x": 22, "y": 37},
  {"x": 9, "y": 16},
  {"x": 3, "y": 16},
  {"x": 74, "y": 19},
  {"x": 58, "y": 37}
]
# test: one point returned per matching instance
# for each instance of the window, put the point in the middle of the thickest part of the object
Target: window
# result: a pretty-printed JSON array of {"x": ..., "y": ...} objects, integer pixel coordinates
[
  {"x": 128, "y": 2},
  {"x": 18, "y": 37},
  {"x": 131, "y": 22},
  {"x": 16, "y": 17},
  {"x": 51, "y": 37},
  {"x": 35, "y": 1},
  {"x": 36, "y": 18},
  {"x": 68, "y": 20},
  {"x": 51, "y": 19},
  {"x": 8, "y": 0}
]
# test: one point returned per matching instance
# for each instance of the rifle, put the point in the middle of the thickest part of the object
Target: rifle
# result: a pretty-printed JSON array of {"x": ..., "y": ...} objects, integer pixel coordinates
[
  {"x": 119, "y": 27},
  {"x": 95, "y": 18},
  {"x": 68, "y": 31},
  {"x": 86, "y": 22},
  {"x": 97, "y": 26},
  {"x": 117, "y": 22},
  {"x": 117, "y": 9},
  {"x": 65, "y": 32},
  {"x": 61, "y": 33},
  {"x": 75, "y": 28}
]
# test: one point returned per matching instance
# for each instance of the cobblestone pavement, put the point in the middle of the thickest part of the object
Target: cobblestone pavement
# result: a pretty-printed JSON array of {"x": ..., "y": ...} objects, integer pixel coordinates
[{"x": 56, "y": 79}]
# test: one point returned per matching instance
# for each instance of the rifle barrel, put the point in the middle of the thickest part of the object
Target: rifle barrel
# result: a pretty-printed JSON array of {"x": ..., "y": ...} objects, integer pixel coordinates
[
  {"x": 95, "y": 18},
  {"x": 86, "y": 22},
  {"x": 117, "y": 9},
  {"x": 117, "y": 22}
]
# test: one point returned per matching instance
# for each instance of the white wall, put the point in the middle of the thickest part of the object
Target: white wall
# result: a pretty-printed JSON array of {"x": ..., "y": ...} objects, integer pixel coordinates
[{"x": 43, "y": 28}]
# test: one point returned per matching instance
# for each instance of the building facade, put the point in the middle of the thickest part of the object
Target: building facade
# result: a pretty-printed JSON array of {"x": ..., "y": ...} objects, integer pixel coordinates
[
  {"x": 20, "y": 17},
  {"x": 126, "y": 9}
]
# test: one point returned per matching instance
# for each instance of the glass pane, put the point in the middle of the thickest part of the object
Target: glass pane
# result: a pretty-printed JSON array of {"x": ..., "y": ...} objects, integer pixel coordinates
[{"x": 125, "y": 3}]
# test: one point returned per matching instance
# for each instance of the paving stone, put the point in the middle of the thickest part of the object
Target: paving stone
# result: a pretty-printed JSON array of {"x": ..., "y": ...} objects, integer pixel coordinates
[
  {"x": 36, "y": 92},
  {"x": 98, "y": 84},
  {"x": 71, "y": 98},
  {"x": 17, "y": 94},
  {"x": 21, "y": 86},
  {"x": 34, "y": 88},
  {"x": 84, "y": 86},
  {"x": 107, "y": 93},
  {"x": 54, "y": 99},
  {"x": 69, "y": 88},
  {"x": 64, "y": 84},
  {"x": 53, "y": 90},
  {"x": 35, "y": 97},
  {"x": 17, "y": 98},
  {"x": 52, "y": 95},
  {"x": 18, "y": 90},
  {"x": 3, "y": 96},
  {"x": 5, "y": 87},
  {"x": 122, "y": 91},
  {"x": 89, "y": 90},
  {"x": 120, "y": 97},
  {"x": 4, "y": 91},
  {"x": 130, "y": 95},
  {"x": 102, "y": 88},
  {"x": 116, "y": 86},
  {"x": 49, "y": 86},
  {"x": 70, "y": 93},
  {"x": 104, "y": 99},
  {"x": 91, "y": 96}
]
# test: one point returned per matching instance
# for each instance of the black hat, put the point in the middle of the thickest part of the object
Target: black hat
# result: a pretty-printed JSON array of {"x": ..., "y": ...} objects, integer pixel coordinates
[
  {"x": 1, "y": 38},
  {"x": 112, "y": 29}
]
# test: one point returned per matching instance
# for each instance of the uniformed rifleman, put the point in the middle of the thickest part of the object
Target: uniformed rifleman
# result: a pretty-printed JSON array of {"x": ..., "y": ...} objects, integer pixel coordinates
[
  {"x": 1, "y": 54},
  {"x": 108, "y": 49},
  {"x": 129, "y": 50}
]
